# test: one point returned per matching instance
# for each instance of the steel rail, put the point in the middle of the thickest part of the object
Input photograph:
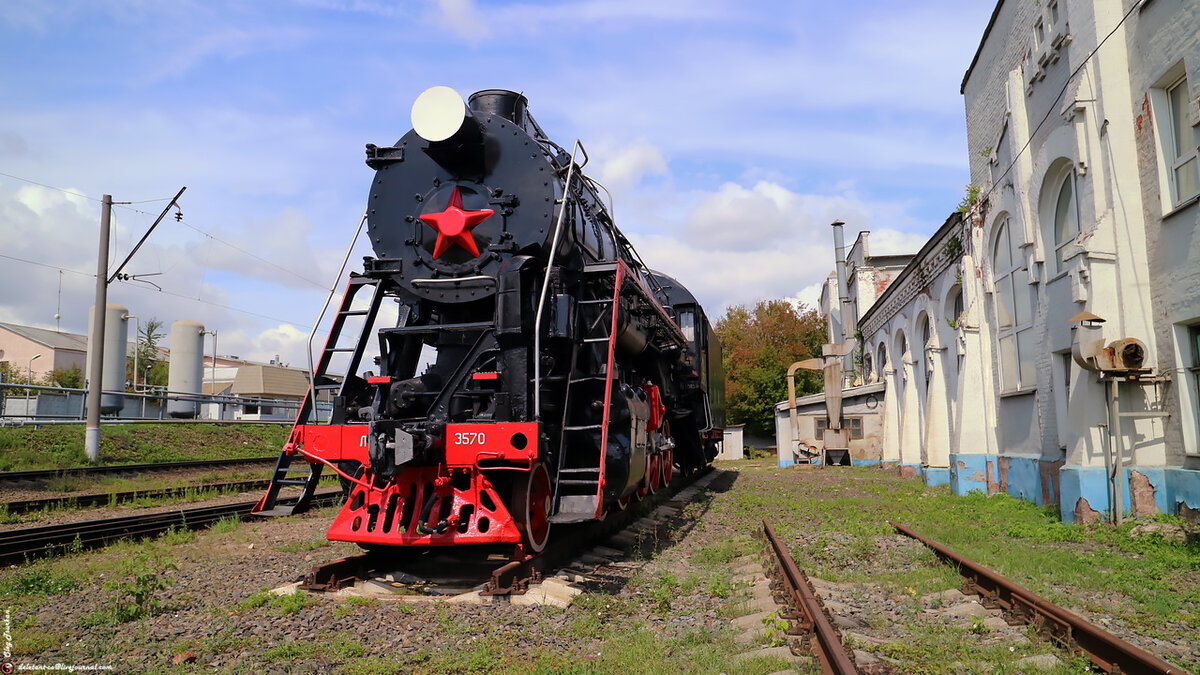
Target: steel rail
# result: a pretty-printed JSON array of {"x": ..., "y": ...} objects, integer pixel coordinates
[
  {"x": 515, "y": 575},
  {"x": 17, "y": 546},
  {"x": 45, "y": 474},
  {"x": 808, "y": 612},
  {"x": 1109, "y": 652},
  {"x": 107, "y": 498}
]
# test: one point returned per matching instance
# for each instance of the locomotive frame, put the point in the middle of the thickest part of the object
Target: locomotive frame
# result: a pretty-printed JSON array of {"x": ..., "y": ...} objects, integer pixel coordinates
[{"x": 568, "y": 379}]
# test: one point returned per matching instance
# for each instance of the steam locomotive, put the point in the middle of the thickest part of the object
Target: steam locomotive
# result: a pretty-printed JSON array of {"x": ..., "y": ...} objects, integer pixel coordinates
[{"x": 530, "y": 369}]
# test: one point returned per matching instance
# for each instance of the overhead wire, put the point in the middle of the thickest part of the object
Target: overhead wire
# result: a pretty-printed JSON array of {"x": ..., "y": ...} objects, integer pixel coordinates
[
  {"x": 126, "y": 206},
  {"x": 53, "y": 267},
  {"x": 1054, "y": 103}
]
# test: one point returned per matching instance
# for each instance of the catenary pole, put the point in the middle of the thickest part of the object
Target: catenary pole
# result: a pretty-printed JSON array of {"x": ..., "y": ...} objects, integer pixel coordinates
[{"x": 95, "y": 343}]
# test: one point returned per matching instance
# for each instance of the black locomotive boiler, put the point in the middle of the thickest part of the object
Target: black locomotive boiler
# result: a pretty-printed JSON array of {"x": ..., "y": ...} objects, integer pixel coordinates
[{"x": 531, "y": 370}]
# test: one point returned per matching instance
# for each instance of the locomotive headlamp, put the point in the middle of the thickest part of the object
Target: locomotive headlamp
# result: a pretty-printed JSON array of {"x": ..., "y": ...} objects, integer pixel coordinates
[{"x": 438, "y": 113}]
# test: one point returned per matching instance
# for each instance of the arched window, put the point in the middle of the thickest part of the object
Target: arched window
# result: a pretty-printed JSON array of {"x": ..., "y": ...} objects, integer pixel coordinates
[
  {"x": 1066, "y": 219},
  {"x": 926, "y": 346},
  {"x": 1014, "y": 311},
  {"x": 881, "y": 360},
  {"x": 868, "y": 373}
]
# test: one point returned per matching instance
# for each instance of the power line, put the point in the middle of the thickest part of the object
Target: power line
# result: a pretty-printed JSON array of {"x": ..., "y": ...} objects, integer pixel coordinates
[
  {"x": 171, "y": 293},
  {"x": 49, "y": 187},
  {"x": 228, "y": 307},
  {"x": 256, "y": 257},
  {"x": 125, "y": 206},
  {"x": 53, "y": 267}
]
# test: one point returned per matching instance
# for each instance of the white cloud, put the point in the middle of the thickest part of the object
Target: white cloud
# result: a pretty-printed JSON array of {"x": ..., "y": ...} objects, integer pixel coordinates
[
  {"x": 893, "y": 242},
  {"x": 622, "y": 167},
  {"x": 767, "y": 216},
  {"x": 809, "y": 296},
  {"x": 463, "y": 19},
  {"x": 732, "y": 134}
]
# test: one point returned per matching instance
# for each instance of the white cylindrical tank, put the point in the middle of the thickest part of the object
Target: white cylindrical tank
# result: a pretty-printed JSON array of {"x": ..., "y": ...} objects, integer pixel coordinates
[
  {"x": 186, "y": 369},
  {"x": 116, "y": 354}
]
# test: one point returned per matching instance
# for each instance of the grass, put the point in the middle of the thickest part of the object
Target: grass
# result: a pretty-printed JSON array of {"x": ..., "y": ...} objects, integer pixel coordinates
[
  {"x": 334, "y": 648},
  {"x": 835, "y": 522},
  {"x": 61, "y": 446},
  {"x": 351, "y": 604},
  {"x": 37, "y": 580}
]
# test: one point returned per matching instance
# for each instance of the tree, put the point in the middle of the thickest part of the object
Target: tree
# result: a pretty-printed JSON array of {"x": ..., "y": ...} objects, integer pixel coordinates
[
  {"x": 10, "y": 373},
  {"x": 757, "y": 347},
  {"x": 152, "y": 369},
  {"x": 70, "y": 378}
]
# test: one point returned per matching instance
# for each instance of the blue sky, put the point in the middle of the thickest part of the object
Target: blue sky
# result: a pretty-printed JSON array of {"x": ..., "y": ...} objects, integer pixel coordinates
[{"x": 731, "y": 134}]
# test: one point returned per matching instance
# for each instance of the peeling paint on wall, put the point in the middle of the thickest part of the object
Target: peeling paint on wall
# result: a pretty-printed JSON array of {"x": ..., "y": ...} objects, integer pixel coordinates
[
  {"x": 1084, "y": 513},
  {"x": 1050, "y": 487},
  {"x": 992, "y": 486},
  {"x": 1187, "y": 513},
  {"x": 1142, "y": 494}
]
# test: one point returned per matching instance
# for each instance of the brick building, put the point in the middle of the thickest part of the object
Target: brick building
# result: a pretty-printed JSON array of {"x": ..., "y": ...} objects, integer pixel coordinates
[{"x": 1082, "y": 136}]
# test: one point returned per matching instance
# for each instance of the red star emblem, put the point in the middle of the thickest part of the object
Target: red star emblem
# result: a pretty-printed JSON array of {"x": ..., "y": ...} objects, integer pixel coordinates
[{"x": 454, "y": 225}]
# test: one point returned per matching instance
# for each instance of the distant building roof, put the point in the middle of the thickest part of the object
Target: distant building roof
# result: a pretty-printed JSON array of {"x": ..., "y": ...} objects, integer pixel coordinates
[
  {"x": 269, "y": 382},
  {"x": 51, "y": 338}
]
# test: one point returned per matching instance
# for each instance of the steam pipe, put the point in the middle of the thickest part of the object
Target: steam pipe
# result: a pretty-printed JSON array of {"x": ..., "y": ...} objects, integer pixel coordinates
[{"x": 541, "y": 308}]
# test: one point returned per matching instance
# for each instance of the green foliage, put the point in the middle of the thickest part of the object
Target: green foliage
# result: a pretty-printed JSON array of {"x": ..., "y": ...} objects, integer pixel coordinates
[
  {"x": 37, "y": 580},
  {"x": 69, "y": 378},
  {"x": 970, "y": 198},
  {"x": 152, "y": 369},
  {"x": 261, "y": 597},
  {"x": 178, "y": 534},
  {"x": 136, "y": 592},
  {"x": 282, "y": 605},
  {"x": 721, "y": 553},
  {"x": 349, "y": 605},
  {"x": 11, "y": 373},
  {"x": 775, "y": 630},
  {"x": 226, "y": 524},
  {"x": 338, "y": 648},
  {"x": 758, "y": 344}
]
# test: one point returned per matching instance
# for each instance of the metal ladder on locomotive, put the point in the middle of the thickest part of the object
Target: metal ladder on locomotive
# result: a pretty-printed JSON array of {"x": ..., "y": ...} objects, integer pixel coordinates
[{"x": 284, "y": 468}]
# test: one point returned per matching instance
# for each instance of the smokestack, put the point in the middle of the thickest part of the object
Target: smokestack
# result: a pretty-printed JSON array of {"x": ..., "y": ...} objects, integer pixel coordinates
[{"x": 839, "y": 248}]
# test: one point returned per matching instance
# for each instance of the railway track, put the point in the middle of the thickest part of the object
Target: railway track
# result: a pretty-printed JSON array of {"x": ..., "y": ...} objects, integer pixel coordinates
[
  {"x": 515, "y": 575},
  {"x": 17, "y": 546},
  {"x": 108, "y": 469},
  {"x": 807, "y": 616},
  {"x": 85, "y": 500},
  {"x": 1071, "y": 631}
]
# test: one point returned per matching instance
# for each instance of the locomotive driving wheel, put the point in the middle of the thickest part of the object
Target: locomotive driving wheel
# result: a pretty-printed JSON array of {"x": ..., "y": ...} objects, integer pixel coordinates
[
  {"x": 668, "y": 468},
  {"x": 653, "y": 481},
  {"x": 532, "y": 495}
]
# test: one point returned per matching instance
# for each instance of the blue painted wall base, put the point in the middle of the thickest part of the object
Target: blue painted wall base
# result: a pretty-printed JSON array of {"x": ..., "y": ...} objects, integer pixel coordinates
[
  {"x": 1020, "y": 476},
  {"x": 1172, "y": 488},
  {"x": 970, "y": 473},
  {"x": 935, "y": 476}
]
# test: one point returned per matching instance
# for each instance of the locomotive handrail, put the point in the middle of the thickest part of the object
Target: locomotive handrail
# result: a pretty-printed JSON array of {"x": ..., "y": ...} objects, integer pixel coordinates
[
  {"x": 541, "y": 308},
  {"x": 312, "y": 384}
]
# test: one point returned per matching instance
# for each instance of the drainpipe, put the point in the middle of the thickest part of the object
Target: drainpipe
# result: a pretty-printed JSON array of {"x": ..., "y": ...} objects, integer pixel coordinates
[{"x": 1116, "y": 465}]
